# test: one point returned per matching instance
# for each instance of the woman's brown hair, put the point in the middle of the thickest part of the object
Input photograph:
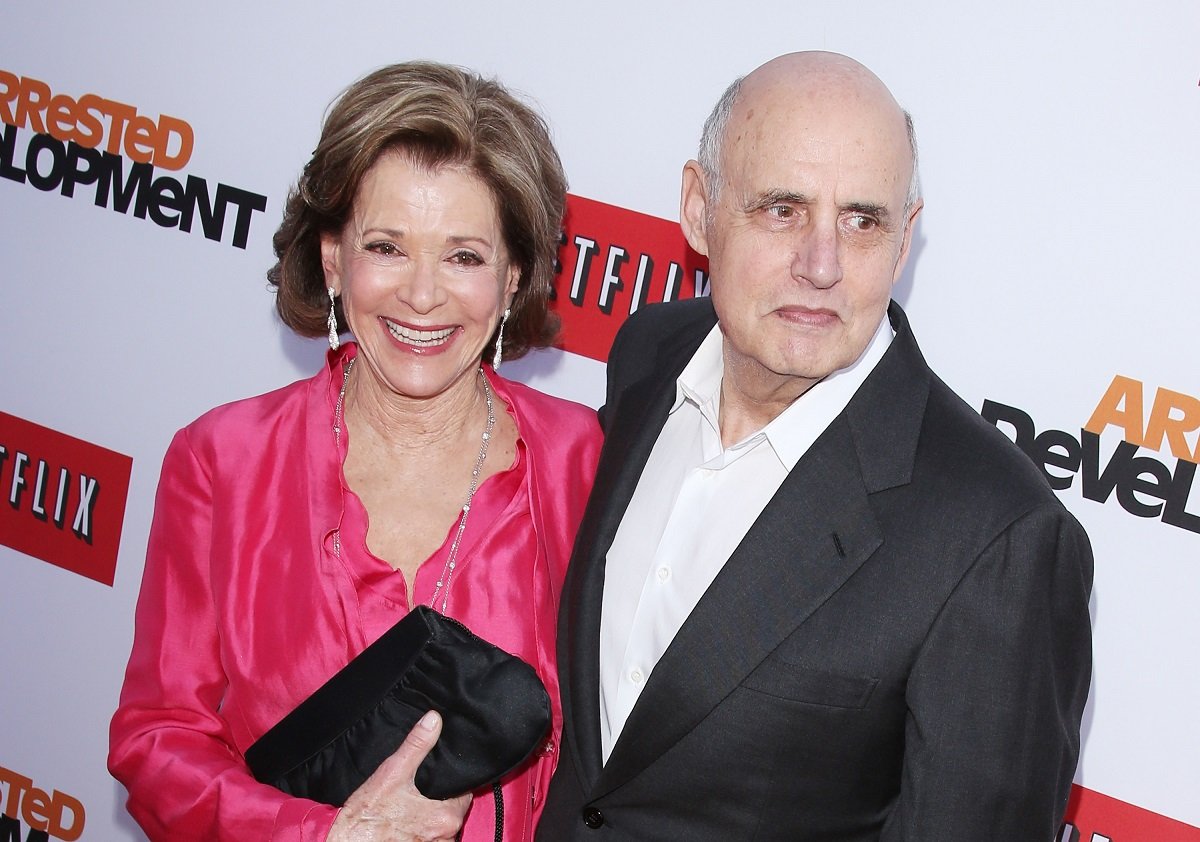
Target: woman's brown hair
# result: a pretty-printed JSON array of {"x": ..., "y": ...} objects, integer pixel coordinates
[{"x": 436, "y": 115}]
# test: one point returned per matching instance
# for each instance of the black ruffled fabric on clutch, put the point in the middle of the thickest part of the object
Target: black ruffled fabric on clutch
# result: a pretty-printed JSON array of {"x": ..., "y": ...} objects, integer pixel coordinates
[{"x": 494, "y": 708}]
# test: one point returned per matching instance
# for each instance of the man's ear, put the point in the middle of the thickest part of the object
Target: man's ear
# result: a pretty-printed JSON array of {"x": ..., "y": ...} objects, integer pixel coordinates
[
  {"x": 330, "y": 247},
  {"x": 693, "y": 206},
  {"x": 910, "y": 224}
]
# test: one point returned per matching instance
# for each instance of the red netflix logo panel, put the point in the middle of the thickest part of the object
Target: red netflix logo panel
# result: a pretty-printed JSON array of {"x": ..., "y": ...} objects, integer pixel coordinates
[
  {"x": 62, "y": 499},
  {"x": 1092, "y": 817},
  {"x": 614, "y": 261}
]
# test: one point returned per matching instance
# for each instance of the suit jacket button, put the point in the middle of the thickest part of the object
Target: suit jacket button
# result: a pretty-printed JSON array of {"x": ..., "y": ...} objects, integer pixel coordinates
[{"x": 592, "y": 817}]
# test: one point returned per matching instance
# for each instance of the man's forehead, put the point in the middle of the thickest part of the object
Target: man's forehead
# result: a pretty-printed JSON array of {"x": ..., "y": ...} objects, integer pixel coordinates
[
  {"x": 803, "y": 118},
  {"x": 846, "y": 173}
]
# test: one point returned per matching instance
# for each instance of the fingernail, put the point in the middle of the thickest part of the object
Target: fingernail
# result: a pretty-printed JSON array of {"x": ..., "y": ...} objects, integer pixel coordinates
[{"x": 429, "y": 721}]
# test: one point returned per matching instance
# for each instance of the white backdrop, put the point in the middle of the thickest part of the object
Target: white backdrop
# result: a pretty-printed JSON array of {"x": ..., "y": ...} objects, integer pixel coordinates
[{"x": 1059, "y": 158}]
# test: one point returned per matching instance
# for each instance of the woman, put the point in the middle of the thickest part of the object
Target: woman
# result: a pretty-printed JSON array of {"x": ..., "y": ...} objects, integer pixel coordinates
[{"x": 292, "y": 529}]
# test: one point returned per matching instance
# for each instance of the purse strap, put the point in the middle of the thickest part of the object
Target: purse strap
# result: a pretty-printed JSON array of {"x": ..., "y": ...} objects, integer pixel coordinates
[{"x": 499, "y": 797}]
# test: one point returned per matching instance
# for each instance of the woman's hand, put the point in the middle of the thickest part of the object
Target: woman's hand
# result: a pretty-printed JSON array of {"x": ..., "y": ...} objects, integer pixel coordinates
[{"x": 388, "y": 807}]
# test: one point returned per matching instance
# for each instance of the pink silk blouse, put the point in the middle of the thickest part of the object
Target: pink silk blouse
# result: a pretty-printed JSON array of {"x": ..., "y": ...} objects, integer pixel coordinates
[{"x": 248, "y": 603}]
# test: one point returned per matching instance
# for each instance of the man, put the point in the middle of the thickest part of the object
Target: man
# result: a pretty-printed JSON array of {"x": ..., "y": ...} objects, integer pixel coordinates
[{"x": 815, "y": 596}]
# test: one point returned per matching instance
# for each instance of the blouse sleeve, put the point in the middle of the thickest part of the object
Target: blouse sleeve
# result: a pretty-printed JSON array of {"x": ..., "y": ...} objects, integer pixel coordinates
[{"x": 169, "y": 745}]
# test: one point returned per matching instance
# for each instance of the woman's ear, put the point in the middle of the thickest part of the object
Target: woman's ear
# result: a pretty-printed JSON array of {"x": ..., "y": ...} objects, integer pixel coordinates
[{"x": 331, "y": 246}]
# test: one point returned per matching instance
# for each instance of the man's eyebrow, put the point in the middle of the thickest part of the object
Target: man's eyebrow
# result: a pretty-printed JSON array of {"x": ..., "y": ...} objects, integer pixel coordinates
[
  {"x": 880, "y": 212},
  {"x": 777, "y": 197}
]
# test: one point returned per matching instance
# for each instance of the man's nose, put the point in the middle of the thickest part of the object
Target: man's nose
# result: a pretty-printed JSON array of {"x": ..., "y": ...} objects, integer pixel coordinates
[{"x": 818, "y": 257}]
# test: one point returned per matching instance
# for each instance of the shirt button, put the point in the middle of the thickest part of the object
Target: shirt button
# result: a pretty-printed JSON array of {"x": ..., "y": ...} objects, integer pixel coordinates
[
  {"x": 664, "y": 574},
  {"x": 593, "y": 818},
  {"x": 635, "y": 675}
]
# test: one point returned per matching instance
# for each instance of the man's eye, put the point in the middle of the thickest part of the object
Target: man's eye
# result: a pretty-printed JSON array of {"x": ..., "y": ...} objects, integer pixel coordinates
[
  {"x": 781, "y": 211},
  {"x": 861, "y": 222}
]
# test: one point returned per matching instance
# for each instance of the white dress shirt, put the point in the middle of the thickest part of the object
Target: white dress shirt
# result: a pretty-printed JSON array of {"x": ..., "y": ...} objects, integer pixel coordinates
[{"x": 693, "y": 504}]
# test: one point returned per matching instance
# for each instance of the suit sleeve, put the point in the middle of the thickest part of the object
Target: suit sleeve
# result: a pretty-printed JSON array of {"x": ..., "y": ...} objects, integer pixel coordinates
[
  {"x": 998, "y": 689},
  {"x": 169, "y": 745},
  {"x": 632, "y": 354},
  {"x": 613, "y": 368}
]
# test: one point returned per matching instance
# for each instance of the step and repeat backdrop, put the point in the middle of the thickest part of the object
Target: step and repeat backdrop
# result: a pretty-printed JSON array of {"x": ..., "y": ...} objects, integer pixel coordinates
[{"x": 146, "y": 151}]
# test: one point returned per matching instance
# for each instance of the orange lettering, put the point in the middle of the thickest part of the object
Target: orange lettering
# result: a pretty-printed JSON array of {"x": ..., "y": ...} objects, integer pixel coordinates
[
  {"x": 1121, "y": 407},
  {"x": 10, "y": 85},
  {"x": 168, "y": 126},
  {"x": 1161, "y": 425},
  {"x": 91, "y": 130},
  {"x": 17, "y": 784},
  {"x": 120, "y": 113},
  {"x": 64, "y": 803},
  {"x": 138, "y": 139},
  {"x": 34, "y": 95},
  {"x": 60, "y": 117},
  {"x": 35, "y": 808}
]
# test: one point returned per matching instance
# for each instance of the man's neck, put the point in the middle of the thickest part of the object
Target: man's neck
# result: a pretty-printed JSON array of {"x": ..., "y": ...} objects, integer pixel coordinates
[{"x": 750, "y": 400}]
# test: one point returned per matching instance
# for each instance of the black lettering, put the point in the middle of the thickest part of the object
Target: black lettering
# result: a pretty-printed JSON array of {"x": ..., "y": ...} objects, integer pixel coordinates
[
  {"x": 165, "y": 192},
  {"x": 51, "y": 164},
  {"x": 1177, "y": 498},
  {"x": 1044, "y": 454},
  {"x": 112, "y": 191},
  {"x": 58, "y": 162},
  {"x": 10, "y": 831},
  {"x": 74, "y": 174},
  {"x": 247, "y": 203},
  {"x": 1098, "y": 486},
  {"x": 8, "y": 154},
  {"x": 196, "y": 198},
  {"x": 1134, "y": 484},
  {"x": 212, "y": 215}
]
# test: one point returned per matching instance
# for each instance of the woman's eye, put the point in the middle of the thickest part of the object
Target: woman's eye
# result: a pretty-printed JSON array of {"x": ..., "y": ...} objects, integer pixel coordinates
[
  {"x": 384, "y": 248},
  {"x": 466, "y": 258}
]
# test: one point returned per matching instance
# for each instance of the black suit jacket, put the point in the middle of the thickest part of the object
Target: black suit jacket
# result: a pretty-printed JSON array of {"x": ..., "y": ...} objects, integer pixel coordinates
[{"x": 899, "y": 649}]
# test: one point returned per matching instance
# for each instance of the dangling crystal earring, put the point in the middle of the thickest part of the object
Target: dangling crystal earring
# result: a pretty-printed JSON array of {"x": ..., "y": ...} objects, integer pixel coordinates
[
  {"x": 496, "y": 357},
  {"x": 334, "y": 340}
]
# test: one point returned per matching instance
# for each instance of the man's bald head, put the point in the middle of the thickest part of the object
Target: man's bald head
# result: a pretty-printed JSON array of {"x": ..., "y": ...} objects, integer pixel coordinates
[{"x": 790, "y": 81}]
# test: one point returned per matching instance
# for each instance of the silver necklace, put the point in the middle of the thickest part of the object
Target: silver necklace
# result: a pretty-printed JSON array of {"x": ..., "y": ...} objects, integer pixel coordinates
[{"x": 443, "y": 583}]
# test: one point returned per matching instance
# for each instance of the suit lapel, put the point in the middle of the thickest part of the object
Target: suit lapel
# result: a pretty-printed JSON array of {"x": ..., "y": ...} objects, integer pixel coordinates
[{"x": 636, "y": 418}]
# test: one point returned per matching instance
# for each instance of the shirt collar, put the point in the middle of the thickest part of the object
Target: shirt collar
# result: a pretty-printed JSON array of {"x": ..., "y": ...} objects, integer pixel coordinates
[{"x": 793, "y": 431}]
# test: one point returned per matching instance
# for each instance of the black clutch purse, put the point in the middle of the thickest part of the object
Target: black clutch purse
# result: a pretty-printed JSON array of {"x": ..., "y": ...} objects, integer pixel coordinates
[{"x": 494, "y": 709}]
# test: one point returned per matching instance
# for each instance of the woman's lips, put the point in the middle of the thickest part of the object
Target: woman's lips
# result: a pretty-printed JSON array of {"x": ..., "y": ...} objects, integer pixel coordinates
[{"x": 419, "y": 337}]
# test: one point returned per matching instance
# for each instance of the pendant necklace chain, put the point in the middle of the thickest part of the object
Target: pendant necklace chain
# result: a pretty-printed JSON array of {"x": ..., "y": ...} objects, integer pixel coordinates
[{"x": 443, "y": 583}]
